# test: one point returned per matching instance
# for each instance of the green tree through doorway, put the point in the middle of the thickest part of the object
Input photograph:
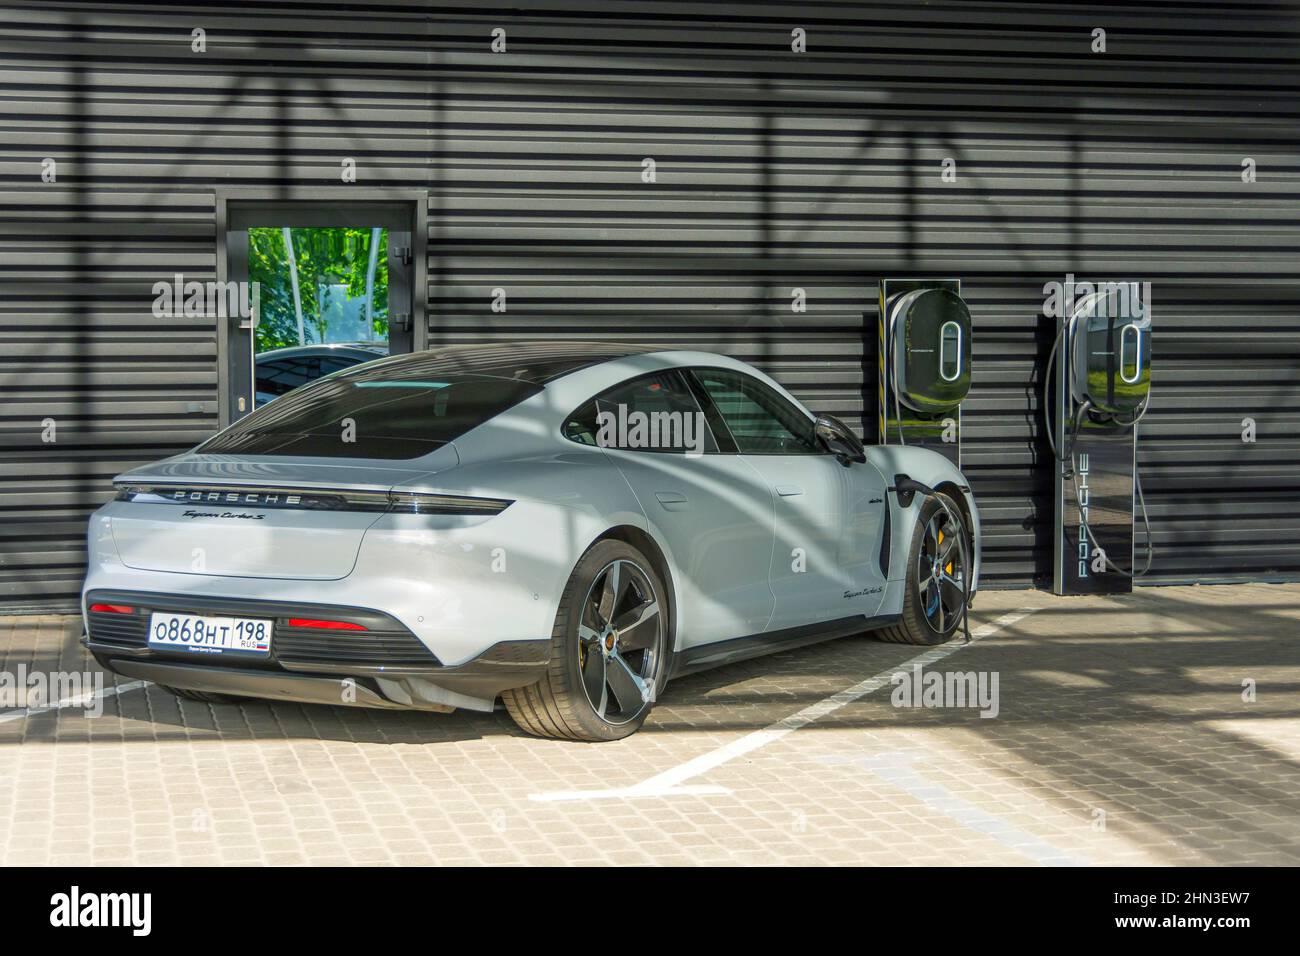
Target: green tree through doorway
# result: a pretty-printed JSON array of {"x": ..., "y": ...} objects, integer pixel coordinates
[{"x": 342, "y": 285}]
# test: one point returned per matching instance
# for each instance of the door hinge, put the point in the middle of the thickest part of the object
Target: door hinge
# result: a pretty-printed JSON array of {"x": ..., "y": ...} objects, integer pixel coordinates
[
  {"x": 403, "y": 254},
  {"x": 402, "y": 321}
]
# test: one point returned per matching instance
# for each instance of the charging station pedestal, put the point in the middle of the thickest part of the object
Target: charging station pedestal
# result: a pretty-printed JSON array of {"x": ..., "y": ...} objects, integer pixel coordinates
[
  {"x": 1101, "y": 385},
  {"x": 924, "y": 364}
]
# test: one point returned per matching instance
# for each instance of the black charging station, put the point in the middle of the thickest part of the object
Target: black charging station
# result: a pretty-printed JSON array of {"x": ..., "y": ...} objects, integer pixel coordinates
[
  {"x": 924, "y": 364},
  {"x": 1102, "y": 383}
]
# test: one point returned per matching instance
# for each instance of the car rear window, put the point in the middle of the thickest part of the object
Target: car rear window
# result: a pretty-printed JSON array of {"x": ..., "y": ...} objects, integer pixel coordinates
[{"x": 374, "y": 413}]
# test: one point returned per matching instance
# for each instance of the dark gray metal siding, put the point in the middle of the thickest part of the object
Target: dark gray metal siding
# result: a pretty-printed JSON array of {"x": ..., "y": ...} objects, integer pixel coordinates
[
  {"x": 79, "y": 345},
  {"x": 775, "y": 171}
]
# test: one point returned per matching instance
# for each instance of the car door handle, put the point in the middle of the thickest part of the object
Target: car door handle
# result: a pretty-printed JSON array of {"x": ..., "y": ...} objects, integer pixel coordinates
[
  {"x": 788, "y": 491},
  {"x": 672, "y": 500}
]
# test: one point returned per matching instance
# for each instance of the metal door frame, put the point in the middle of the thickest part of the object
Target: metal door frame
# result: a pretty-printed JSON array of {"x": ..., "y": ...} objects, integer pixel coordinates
[{"x": 412, "y": 202}]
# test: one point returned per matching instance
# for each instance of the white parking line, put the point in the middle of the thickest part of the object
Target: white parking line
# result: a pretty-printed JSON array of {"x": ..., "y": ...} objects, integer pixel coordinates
[
  {"x": 669, "y": 783},
  {"x": 81, "y": 701}
]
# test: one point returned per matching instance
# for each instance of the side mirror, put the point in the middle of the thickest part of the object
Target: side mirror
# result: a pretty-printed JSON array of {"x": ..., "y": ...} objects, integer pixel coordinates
[{"x": 839, "y": 439}]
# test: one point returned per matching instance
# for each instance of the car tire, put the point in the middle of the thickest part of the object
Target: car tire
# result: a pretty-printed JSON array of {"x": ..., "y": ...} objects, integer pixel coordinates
[
  {"x": 923, "y": 623},
  {"x": 609, "y": 696},
  {"x": 203, "y": 697}
]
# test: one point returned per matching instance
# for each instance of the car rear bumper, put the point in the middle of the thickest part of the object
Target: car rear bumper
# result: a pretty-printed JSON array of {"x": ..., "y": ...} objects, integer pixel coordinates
[
  {"x": 444, "y": 578},
  {"x": 384, "y": 665}
]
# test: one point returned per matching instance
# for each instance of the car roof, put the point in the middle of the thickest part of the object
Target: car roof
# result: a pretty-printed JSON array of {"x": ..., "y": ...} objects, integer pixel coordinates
[
  {"x": 535, "y": 362},
  {"x": 369, "y": 350}
]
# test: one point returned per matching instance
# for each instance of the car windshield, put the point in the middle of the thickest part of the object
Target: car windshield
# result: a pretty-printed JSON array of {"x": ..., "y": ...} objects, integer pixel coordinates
[{"x": 372, "y": 413}]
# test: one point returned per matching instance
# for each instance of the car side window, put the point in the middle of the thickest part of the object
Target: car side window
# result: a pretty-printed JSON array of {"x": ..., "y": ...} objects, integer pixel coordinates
[
  {"x": 760, "y": 420},
  {"x": 655, "y": 413},
  {"x": 580, "y": 426},
  {"x": 281, "y": 377}
]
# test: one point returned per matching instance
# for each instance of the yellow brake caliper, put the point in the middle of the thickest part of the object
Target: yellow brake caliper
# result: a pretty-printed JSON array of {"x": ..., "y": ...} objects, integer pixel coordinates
[{"x": 948, "y": 566}]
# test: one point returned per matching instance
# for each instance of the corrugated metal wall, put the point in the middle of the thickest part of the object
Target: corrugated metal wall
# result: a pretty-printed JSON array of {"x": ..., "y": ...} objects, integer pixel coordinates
[{"x": 775, "y": 171}]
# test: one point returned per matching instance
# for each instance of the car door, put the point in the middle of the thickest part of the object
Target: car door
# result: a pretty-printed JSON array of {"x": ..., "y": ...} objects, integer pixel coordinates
[
  {"x": 713, "y": 510},
  {"x": 828, "y": 516}
]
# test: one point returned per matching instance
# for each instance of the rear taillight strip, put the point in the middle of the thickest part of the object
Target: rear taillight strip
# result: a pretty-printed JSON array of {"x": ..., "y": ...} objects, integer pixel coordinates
[
  {"x": 309, "y": 499},
  {"x": 325, "y": 625},
  {"x": 446, "y": 504}
]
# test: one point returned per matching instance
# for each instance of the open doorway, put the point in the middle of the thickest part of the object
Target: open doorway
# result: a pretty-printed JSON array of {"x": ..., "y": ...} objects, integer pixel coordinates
[
  {"x": 323, "y": 302},
  {"x": 336, "y": 287}
]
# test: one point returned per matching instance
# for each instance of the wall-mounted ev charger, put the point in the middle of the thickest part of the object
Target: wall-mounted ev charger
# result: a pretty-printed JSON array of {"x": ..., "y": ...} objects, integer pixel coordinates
[
  {"x": 924, "y": 359},
  {"x": 924, "y": 364}
]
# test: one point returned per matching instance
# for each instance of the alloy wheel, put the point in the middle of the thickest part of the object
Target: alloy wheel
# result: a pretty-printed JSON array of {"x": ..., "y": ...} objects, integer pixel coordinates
[
  {"x": 940, "y": 573},
  {"x": 620, "y": 641}
]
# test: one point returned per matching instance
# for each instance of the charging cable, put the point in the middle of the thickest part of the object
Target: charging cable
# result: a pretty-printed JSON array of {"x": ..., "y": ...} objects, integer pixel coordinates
[
  {"x": 891, "y": 374},
  {"x": 898, "y": 415}
]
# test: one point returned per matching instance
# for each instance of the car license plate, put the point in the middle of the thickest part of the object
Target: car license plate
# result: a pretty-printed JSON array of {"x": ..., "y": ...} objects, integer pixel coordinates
[{"x": 210, "y": 635}]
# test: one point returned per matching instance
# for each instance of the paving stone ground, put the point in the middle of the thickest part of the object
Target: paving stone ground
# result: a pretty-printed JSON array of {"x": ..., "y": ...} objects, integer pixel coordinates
[{"x": 1121, "y": 737}]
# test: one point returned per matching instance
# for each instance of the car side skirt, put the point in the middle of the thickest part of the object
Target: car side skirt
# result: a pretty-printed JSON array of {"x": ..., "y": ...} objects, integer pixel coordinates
[{"x": 691, "y": 660}]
